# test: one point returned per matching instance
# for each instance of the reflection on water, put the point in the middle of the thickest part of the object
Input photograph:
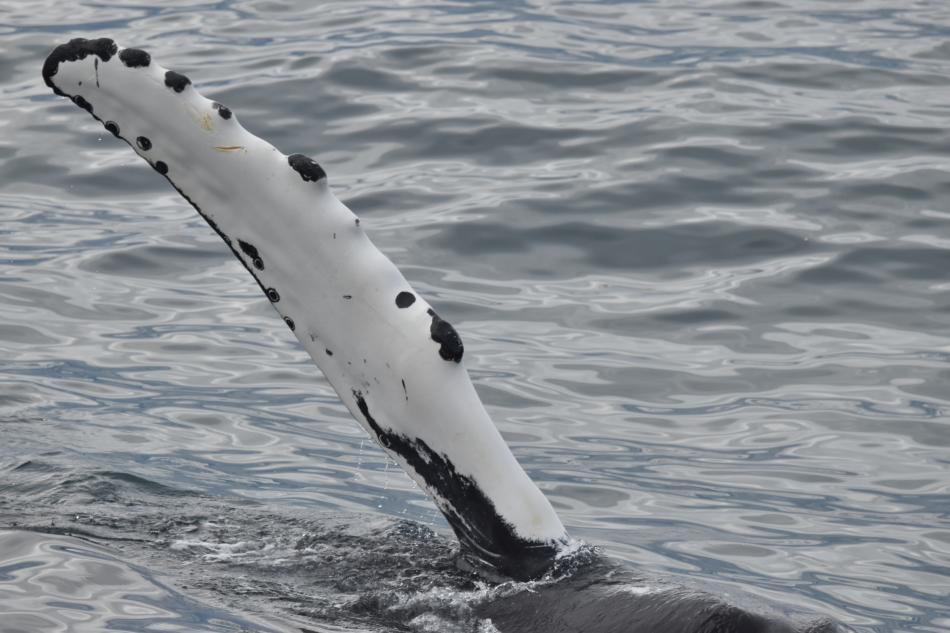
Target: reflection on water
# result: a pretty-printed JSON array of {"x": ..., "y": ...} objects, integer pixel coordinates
[
  {"x": 698, "y": 254},
  {"x": 56, "y": 583}
]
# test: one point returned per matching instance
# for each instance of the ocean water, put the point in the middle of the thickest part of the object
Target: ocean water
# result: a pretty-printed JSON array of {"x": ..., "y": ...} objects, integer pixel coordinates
[{"x": 699, "y": 254}]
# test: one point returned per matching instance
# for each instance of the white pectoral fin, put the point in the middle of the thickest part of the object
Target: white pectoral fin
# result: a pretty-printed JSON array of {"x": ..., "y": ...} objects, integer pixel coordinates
[{"x": 393, "y": 361}]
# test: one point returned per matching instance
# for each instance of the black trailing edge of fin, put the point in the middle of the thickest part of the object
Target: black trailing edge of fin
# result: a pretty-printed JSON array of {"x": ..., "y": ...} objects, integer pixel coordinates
[{"x": 489, "y": 543}]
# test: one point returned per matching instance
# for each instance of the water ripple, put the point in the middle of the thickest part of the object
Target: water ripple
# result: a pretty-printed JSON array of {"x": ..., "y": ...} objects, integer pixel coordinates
[{"x": 698, "y": 254}]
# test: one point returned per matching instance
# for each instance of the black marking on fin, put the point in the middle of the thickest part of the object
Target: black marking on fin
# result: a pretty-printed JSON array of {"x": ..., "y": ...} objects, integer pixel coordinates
[
  {"x": 308, "y": 169},
  {"x": 251, "y": 251},
  {"x": 404, "y": 390},
  {"x": 160, "y": 167},
  {"x": 96, "y": 65},
  {"x": 143, "y": 143},
  {"x": 82, "y": 103},
  {"x": 176, "y": 81},
  {"x": 135, "y": 58},
  {"x": 113, "y": 127},
  {"x": 272, "y": 295},
  {"x": 450, "y": 343},
  {"x": 290, "y": 323},
  {"x": 405, "y": 299},
  {"x": 483, "y": 534},
  {"x": 223, "y": 110},
  {"x": 76, "y": 49},
  {"x": 329, "y": 352}
]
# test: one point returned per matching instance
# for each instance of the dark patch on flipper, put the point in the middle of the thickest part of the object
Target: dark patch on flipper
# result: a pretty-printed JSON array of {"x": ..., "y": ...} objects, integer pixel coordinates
[
  {"x": 251, "y": 251},
  {"x": 404, "y": 390},
  {"x": 290, "y": 323},
  {"x": 161, "y": 167},
  {"x": 272, "y": 294},
  {"x": 135, "y": 58},
  {"x": 329, "y": 352},
  {"x": 405, "y": 299},
  {"x": 176, "y": 81},
  {"x": 76, "y": 49},
  {"x": 143, "y": 143},
  {"x": 82, "y": 103},
  {"x": 347, "y": 297},
  {"x": 482, "y": 532},
  {"x": 223, "y": 111},
  {"x": 96, "y": 64},
  {"x": 450, "y": 343},
  {"x": 308, "y": 169},
  {"x": 113, "y": 127}
]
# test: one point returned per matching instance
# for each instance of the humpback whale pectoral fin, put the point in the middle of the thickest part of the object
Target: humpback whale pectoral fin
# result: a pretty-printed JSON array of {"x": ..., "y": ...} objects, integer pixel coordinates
[{"x": 394, "y": 362}]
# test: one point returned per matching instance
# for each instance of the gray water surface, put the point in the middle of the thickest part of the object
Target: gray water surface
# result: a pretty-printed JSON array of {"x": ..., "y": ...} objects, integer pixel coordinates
[{"x": 699, "y": 254}]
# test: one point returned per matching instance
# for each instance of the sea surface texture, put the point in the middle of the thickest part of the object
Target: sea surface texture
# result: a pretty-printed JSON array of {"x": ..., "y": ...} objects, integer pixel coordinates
[{"x": 699, "y": 254}]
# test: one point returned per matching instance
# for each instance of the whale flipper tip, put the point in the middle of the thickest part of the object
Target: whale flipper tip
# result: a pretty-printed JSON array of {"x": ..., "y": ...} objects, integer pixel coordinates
[{"x": 73, "y": 50}]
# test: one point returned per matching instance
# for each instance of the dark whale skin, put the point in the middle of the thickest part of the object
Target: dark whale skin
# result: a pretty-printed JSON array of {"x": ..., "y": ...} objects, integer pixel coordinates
[{"x": 603, "y": 597}]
